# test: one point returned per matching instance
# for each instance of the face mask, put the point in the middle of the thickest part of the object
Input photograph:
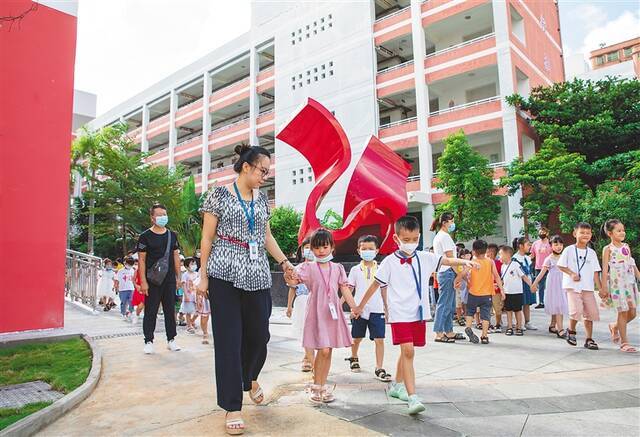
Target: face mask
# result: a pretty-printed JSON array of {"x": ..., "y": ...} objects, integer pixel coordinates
[
  {"x": 326, "y": 259},
  {"x": 368, "y": 255},
  {"x": 407, "y": 247},
  {"x": 452, "y": 227},
  {"x": 542, "y": 236},
  {"x": 128, "y": 266},
  {"x": 162, "y": 220},
  {"x": 108, "y": 268},
  {"x": 307, "y": 254},
  {"x": 192, "y": 267}
]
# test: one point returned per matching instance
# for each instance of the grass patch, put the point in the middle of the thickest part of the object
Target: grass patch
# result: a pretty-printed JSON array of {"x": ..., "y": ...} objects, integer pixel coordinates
[{"x": 64, "y": 365}]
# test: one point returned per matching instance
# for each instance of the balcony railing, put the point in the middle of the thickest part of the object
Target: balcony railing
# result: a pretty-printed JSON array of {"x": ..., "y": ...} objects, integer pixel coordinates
[
  {"x": 393, "y": 14},
  {"x": 266, "y": 112},
  {"x": 228, "y": 126},
  {"x": 413, "y": 178},
  {"x": 465, "y": 105},
  {"x": 395, "y": 67},
  {"x": 463, "y": 44},
  {"x": 398, "y": 123},
  {"x": 188, "y": 140}
]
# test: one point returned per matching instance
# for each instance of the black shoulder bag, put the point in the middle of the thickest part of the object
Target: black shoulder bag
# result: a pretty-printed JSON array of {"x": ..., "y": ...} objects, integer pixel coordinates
[{"x": 160, "y": 268}]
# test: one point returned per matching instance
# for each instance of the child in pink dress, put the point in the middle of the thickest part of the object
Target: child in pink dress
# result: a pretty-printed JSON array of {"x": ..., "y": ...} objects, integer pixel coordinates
[{"x": 325, "y": 327}]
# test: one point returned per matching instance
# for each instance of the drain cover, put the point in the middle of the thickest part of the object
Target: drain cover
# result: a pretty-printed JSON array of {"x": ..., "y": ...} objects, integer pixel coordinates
[{"x": 15, "y": 396}]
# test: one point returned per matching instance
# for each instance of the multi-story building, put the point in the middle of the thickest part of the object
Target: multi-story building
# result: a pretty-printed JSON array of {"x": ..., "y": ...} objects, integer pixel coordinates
[{"x": 409, "y": 71}]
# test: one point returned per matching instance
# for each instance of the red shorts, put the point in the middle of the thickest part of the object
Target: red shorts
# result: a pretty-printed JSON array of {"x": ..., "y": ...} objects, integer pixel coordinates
[
  {"x": 137, "y": 298},
  {"x": 409, "y": 332}
]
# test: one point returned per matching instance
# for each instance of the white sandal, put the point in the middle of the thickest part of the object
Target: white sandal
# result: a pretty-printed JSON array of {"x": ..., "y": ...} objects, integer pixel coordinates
[
  {"x": 230, "y": 423},
  {"x": 316, "y": 394},
  {"x": 327, "y": 394},
  {"x": 255, "y": 395}
]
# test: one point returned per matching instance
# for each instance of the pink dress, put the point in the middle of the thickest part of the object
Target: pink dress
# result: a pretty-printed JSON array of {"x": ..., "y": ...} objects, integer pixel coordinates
[
  {"x": 320, "y": 329},
  {"x": 555, "y": 298}
]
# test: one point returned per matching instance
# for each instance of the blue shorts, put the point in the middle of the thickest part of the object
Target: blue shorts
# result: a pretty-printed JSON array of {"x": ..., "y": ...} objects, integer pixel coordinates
[{"x": 376, "y": 325}]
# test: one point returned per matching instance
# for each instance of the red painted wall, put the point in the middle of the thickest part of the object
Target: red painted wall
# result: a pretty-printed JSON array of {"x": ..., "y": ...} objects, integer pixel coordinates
[{"x": 36, "y": 104}]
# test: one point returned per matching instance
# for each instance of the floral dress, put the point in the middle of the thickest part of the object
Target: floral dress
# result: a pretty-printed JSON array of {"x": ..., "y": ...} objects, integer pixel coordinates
[{"x": 623, "y": 288}]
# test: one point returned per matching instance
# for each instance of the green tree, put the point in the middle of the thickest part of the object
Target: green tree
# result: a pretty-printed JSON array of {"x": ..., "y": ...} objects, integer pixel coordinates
[
  {"x": 122, "y": 185},
  {"x": 596, "y": 119},
  {"x": 331, "y": 220},
  {"x": 285, "y": 222},
  {"x": 188, "y": 223},
  {"x": 465, "y": 176},
  {"x": 550, "y": 181}
]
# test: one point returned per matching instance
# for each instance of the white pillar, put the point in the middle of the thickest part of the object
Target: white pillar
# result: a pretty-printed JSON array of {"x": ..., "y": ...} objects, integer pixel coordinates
[
  {"x": 144, "y": 142},
  {"x": 173, "y": 133},
  {"x": 206, "y": 130},
  {"x": 509, "y": 124},
  {"x": 422, "y": 114},
  {"x": 254, "y": 100}
]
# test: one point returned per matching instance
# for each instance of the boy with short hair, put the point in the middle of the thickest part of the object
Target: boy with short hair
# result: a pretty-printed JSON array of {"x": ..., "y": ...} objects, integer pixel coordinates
[
  {"x": 480, "y": 291},
  {"x": 373, "y": 313},
  {"x": 512, "y": 276},
  {"x": 124, "y": 284},
  {"x": 581, "y": 268},
  {"x": 405, "y": 274}
]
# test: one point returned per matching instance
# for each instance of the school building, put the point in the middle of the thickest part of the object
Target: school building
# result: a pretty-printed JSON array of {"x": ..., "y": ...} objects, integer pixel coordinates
[{"x": 408, "y": 71}]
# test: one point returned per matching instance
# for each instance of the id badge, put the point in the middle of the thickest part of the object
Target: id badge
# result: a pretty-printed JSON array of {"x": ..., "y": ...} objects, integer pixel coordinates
[
  {"x": 334, "y": 312},
  {"x": 253, "y": 250}
]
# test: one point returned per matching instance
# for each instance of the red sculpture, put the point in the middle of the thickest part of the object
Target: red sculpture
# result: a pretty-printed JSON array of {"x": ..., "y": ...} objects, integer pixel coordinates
[{"x": 377, "y": 192}]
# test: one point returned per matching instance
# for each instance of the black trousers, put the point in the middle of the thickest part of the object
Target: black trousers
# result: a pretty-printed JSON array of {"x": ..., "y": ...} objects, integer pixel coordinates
[
  {"x": 240, "y": 325},
  {"x": 165, "y": 293}
]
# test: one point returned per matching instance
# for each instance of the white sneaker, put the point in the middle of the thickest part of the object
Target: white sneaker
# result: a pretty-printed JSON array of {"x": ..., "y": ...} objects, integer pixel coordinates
[
  {"x": 148, "y": 348},
  {"x": 134, "y": 319},
  {"x": 172, "y": 346},
  {"x": 530, "y": 327}
]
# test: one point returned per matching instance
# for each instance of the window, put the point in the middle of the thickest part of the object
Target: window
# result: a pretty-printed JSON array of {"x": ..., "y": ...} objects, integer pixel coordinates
[
  {"x": 517, "y": 24},
  {"x": 385, "y": 120},
  {"x": 309, "y": 178},
  {"x": 301, "y": 180},
  {"x": 627, "y": 51},
  {"x": 613, "y": 56},
  {"x": 600, "y": 60},
  {"x": 294, "y": 182},
  {"x": 294, "y": 172},
  {"x": 301, "y": 170},
  {"x": 309, "y": 169}
]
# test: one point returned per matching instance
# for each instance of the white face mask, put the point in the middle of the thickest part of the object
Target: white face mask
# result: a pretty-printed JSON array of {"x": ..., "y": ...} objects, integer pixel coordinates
[
  {"x": 326, "y": 259},
  {"x": 308, "y": 255},
  {"x": 368, "y": 255},
  {"x": 192, "y": 267},
  {"x": 407, "y": 247}
]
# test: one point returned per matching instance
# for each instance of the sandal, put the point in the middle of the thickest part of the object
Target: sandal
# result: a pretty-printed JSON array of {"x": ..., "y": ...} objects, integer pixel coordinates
[
  {"x": 615, "y": 334},
  {"x": 626, "y": 347},
  {"x": 478, "y": 325},
  {"x": 590, "y": 344},
  {"x": 484, "y": 340},
  {"x": 553, "y": 330},
  {"x": 458, "y": 336},
  {"x": 234, "y": 426},
  {"x": 354, "y": 364},
  {"x": 306, "y": 366},
  {"x": 473, "y": 338},
  {"x": 205, "y": 341},
  {"x": 316, "y": 394},
  {"x": 461, "y": 321},
  {"x": 257, "y": 396},
  {"x": 571, "y": 337},
  {"x": 327, "y": 394},
  {"x": 509, "y": 331},
  {"x": 519, "y": 332},
  {"x": 445, "y": 339},
  {"x": 562, "y": 334},
  {"x": 382, "y": 375}
]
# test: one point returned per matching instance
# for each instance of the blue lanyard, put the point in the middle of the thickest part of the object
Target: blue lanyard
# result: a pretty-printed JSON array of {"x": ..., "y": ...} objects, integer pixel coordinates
[
  {"x": 417, "y": 277},
  {"x": 251, "y": 217},
  {"x": 584, "y": 261}
]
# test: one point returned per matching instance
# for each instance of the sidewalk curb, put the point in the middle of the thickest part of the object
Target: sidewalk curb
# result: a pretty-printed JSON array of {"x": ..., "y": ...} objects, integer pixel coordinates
[{"x": 40, "y": 419}]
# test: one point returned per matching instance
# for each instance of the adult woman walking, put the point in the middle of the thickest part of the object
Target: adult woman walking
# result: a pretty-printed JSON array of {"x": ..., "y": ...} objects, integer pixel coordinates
[
  {"x": 444, "y": 245},
  {"x": 235, "y": 274}
]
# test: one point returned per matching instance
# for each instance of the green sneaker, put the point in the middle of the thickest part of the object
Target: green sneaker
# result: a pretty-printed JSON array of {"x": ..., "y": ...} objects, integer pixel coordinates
[
  {"x": 415, "y": 406},
  {"x": 398, "y": 391}
]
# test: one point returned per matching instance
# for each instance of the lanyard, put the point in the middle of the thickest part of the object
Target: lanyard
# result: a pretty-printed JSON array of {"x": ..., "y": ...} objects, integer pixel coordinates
[
  {"x": 251, "y": 217},
  {"x": 326, "y": 281},
  {"x": 371, "y": 272},
  {"x": 584, "y": 261},
  {"x": 507, "y": 270},
  {"x": 418, "y": 280}
]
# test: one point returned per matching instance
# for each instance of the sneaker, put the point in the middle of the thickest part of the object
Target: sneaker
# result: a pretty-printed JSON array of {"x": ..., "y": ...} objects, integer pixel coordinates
[
  {"x": 415, "y": 406},
  {"x": 540, "y": 305},
  {"x": 148, "y": 348},
  {"x": 398, "y": 391},
  {"x": 172, "y": 346},
  {"x": 134, "y": 319},
  {"x": 530, "y": 327}
]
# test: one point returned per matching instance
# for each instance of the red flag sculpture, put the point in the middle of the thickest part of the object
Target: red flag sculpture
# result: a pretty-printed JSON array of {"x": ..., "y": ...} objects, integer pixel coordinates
[{"x": 377, "y": 192}]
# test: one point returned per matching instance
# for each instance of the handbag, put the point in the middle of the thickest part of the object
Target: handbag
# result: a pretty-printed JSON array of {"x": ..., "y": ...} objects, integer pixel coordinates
[{"x": 160, "y": 268}]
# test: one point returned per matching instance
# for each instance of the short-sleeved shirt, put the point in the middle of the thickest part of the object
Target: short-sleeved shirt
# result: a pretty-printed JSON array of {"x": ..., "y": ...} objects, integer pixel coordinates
[
  {"x": 443, "y": 243},
  {"x": 540, "y": 251},
  {"x": 511, "y": 275},
  {"x": 229, "y": 260},
  {"x": 125, "y": 279},
  {"x": 402, "y": 291},
  {"x": 481, "y": 281},
  {"x": 360, "y": 278},
  {"x": 154, "y": 245},
  {"x": 591, "y": 265}
]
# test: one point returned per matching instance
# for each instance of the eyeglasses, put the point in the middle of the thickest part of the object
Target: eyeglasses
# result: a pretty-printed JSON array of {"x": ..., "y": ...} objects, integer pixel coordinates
[{"x": 264, "y": 171}]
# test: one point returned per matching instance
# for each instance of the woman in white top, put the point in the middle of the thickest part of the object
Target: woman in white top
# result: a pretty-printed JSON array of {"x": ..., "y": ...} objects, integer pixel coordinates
[{"x": 444, "y": 245}]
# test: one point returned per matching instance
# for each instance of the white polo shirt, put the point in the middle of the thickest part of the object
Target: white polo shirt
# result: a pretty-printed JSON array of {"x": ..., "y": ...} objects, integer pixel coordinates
[
  {"x": 402, "y": 291},
  {"x": 591, "y": 265},
  {"x": 360, "y": 278},
  {"x": 511, "y": 275},
  {"x": 442, "y": 243}
]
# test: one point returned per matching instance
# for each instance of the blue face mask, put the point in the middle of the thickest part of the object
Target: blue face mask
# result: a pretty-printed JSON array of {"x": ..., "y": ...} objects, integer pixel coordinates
[
  {"x": 368, "y": 255},
  {"x": 452, "y": 227},
  {"x": 326, "y": 259},
  {"x": 308, "y": 255},
  {"x": 162, "y": 220}
]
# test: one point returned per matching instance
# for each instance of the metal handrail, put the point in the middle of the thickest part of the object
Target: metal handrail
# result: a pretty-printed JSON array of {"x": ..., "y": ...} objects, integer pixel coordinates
[
  {"x": 188, "y": 140},
  {"x": 462, "y": 44},
  {"x": 395, "y": 67},
  {"x": 466, "y": 105},
  {"x": 81, "y": 277},
  {"x": 398, "y": 12},
  {"x": 227, "y": 126},
  {"x": 398, "y": 123}
]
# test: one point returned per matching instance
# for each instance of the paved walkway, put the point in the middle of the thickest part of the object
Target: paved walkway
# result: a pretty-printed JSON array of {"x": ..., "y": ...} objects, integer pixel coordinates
[{"x": 531, "y": 386}]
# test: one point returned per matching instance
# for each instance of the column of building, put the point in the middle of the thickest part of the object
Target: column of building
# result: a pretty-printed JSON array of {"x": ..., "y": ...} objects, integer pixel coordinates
[
  {"x": 206, "y": 130},
  {"x": 173, "y": 132}
]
